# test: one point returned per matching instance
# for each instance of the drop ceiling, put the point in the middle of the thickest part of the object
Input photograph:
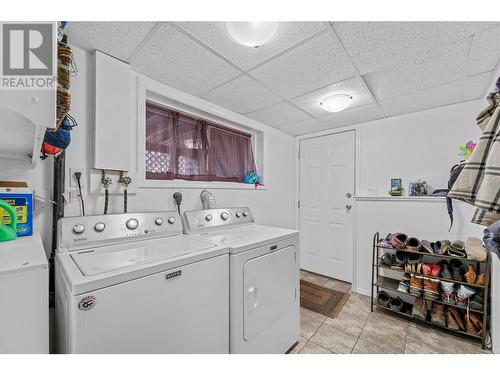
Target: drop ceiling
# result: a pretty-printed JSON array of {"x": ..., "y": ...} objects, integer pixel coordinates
[{"x": 390, "y": 68}]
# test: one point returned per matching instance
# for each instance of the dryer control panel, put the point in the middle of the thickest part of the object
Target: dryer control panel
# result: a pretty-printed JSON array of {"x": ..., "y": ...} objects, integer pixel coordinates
[
  {"x": 77, "y": 232},
  {"x": 220, "y": 218}
]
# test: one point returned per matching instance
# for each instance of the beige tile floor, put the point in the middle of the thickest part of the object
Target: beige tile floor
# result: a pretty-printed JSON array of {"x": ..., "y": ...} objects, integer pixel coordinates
[{"x": 356, "y": 330}]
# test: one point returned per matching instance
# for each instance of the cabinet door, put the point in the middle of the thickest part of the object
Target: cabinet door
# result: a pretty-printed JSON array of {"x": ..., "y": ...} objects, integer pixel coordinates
[{"x": 112, "y": 113}]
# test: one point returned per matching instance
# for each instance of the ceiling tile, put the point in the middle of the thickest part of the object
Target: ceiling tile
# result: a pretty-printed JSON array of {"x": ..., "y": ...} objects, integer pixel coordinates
[
  {"x": 173, "y": 58},
  {"x": 475, "y": 86},
  {"x": 311, "y": 65},
  {"x": 304, "y": 127},
  {"x": 352, "y": 116},
  {"x": 242, "y": 95},
  {"x": 215, "y": 36},
  {"x": 108, "y": 37},
  {"x": 441, "y": 65},
  {"x": 279, "y": 114},
  {"x": 377, "y": 45},
  {"x": 422, "y": 100},
  {"x": 353, "y": 86},
  {"x": 485, "y": 51}
]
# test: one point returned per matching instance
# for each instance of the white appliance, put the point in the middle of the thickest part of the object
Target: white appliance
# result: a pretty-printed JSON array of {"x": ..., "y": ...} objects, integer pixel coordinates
[
  {"x": 24, "y": 296},
  {"x": 264, "y": 274},
  {"x": 133, "y": 283}
]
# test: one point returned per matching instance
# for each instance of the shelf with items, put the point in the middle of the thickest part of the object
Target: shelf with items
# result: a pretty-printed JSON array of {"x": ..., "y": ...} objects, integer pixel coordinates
[
  {"x": 393, "y": 284},
  {"x": 430, "y": 277},
  {"x": 383, "y": 280},
  {"x": 444, "y": 256}
]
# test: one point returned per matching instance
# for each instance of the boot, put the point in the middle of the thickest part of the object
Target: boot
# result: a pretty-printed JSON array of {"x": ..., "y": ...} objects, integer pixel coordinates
[
  {"x": 437, "y": 314},
  {"x": 416, "y": 285},
  {"x": 455, "y": 313},
  {"x": 481, "y": 279},
  {"x": 445, "y": 271},
  {"x": 431, "y": 289},
  {"x": 470, "y": 275},
  {"x": 419, "y": 309}
]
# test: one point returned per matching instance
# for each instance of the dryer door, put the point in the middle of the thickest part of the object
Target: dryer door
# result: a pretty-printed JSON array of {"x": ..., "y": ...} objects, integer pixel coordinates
[{"x": 270, "y": 289}]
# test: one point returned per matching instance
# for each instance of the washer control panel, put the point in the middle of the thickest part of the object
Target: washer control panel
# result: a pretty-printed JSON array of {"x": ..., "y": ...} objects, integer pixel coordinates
[
  {"x": 84, "y": 231},
  {"x": 203, "y": 220}
]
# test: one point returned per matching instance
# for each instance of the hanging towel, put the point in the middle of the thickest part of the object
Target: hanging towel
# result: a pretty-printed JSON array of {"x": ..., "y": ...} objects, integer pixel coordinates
[{"x": 479, "y": 181}]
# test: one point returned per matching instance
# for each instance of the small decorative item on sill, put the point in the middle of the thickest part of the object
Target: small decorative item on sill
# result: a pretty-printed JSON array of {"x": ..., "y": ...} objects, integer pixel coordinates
[
  {"x": 396, "y": 187},
  {"x": 417, "y": 188},
  {"x": 253, "y": 178}
]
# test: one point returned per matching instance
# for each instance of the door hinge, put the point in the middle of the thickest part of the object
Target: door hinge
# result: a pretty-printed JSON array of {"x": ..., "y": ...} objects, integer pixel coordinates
[
  {"x": 298, "y": 204},
  {"x": 298, "y": 154}
]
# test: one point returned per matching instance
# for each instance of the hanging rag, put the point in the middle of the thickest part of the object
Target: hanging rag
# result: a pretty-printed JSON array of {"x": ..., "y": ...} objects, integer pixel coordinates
[{"x": 479, "y": 182}]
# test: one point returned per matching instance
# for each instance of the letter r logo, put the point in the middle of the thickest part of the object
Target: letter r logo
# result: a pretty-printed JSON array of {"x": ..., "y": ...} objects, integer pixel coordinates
[{"x": 27, "y": 49}]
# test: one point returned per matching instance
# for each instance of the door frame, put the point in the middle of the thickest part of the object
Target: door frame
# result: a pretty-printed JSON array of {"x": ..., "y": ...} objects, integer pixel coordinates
[{"x": 356, "y": 184}]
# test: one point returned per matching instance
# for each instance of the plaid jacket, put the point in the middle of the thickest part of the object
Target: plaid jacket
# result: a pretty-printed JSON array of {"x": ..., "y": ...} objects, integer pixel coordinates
[{"x": 479, "y": 181}]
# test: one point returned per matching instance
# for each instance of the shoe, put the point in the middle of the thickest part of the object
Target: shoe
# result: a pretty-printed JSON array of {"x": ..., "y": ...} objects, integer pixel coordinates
[
  {"x": 386, "y": 260},
  {"x": 383, "y": 299},
  {"x": 481, "y": 279},
  {"x": 426, "y": 245},
  {"x": 475, "y": 249},
  {"x": 457, "y": 270},
  {"x": 451, "y": 323},
  {"x": 437, "y": 314},
  {"x": 463, "y": 293},
  {"x": 476, "y": 302},
  {"x": 396, "y": 304},
  {"x": 426, "y": 269},
  {"x": 398, "y": 240},
  {"x": 445, "y": 271},
  {"x": 413, "y": 244},
  {"x": 470, "y": 275},
  {"x": 404, "y": 286},
  {"x": 435, "y": 269},
  {"x": 414, "y": 258},
  {"x": 440, "y": 247},
  {"x": 416, "y": 285},
  {"x": 478, "y": 323},
  {"x": 399, "y": 259},
  {"x": 448, "y": 292},
  {"x": 431, "y": 289},
  {"x": 457, "y": 249},
  {"x": 455, "y": 313},
  {"x": 419, "y": 309}
]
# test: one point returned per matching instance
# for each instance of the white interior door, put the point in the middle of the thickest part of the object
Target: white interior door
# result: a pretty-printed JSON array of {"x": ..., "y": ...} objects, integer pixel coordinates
[{"x": 326, "y": 220}]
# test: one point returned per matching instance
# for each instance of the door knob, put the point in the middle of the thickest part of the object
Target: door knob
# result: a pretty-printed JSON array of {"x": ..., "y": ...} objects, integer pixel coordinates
[
  {"x": 348, "y": 195},
  {"x": 348, "y": 206}
]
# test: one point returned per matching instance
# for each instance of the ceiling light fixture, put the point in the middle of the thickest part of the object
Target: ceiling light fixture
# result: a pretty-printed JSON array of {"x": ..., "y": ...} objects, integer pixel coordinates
[
  {"x": 336, "y": 103},
  {"x": 252, "y": 34}
]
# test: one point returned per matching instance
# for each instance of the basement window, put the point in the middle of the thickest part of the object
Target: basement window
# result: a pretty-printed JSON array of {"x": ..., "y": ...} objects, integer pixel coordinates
[{"x": 181, "y": 146}]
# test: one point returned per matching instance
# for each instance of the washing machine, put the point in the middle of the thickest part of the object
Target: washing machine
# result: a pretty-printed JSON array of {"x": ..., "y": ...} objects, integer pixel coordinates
[
  {"x": 133, "y": 283},
  {"x": 264, "y": 277}
]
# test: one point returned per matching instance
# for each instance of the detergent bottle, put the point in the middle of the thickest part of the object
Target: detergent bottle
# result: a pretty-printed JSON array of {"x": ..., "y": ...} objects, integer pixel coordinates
[{"x": 8, "y": 232}]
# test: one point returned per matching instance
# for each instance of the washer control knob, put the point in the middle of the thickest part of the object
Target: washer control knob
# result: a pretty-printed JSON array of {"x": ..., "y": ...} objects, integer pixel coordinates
[
  {"x": 99, "y": 227},
  {"x": 79, "y": 228},
  {"x": 224, "y": 216},
  {"x": 238, "y": 214},
  {"x": 132, "y": 224},
  {"x": 208, "y": 217},
  {"x": 159, "y": 221},
  {"x": 171, "y": 219},
  {"x": 245, "y": 213}
]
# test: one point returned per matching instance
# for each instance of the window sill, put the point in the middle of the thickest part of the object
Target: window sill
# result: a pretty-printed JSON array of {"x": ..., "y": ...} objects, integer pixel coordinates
[{"x": 184, "y": 184}]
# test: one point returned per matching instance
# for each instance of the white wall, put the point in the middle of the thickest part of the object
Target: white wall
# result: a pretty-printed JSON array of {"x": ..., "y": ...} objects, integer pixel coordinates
[{"x": 273, "y": 205}]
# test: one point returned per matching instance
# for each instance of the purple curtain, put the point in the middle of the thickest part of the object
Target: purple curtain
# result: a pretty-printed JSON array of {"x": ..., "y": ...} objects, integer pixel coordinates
[{"x": 179, "y": 146}]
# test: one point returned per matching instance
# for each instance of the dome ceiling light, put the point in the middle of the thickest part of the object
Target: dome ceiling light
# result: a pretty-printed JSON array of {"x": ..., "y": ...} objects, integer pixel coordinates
[
  {"x": 336, "y": 103},
  {"x": 252, "y": 34}
]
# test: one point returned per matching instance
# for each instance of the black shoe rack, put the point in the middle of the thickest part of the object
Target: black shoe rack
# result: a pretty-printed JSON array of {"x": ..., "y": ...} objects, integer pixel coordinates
[{"x": 383, "y": 279}]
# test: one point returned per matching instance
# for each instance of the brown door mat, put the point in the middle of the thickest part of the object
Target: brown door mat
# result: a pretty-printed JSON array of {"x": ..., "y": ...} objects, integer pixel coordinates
[{"x": 325, "y": 301}]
